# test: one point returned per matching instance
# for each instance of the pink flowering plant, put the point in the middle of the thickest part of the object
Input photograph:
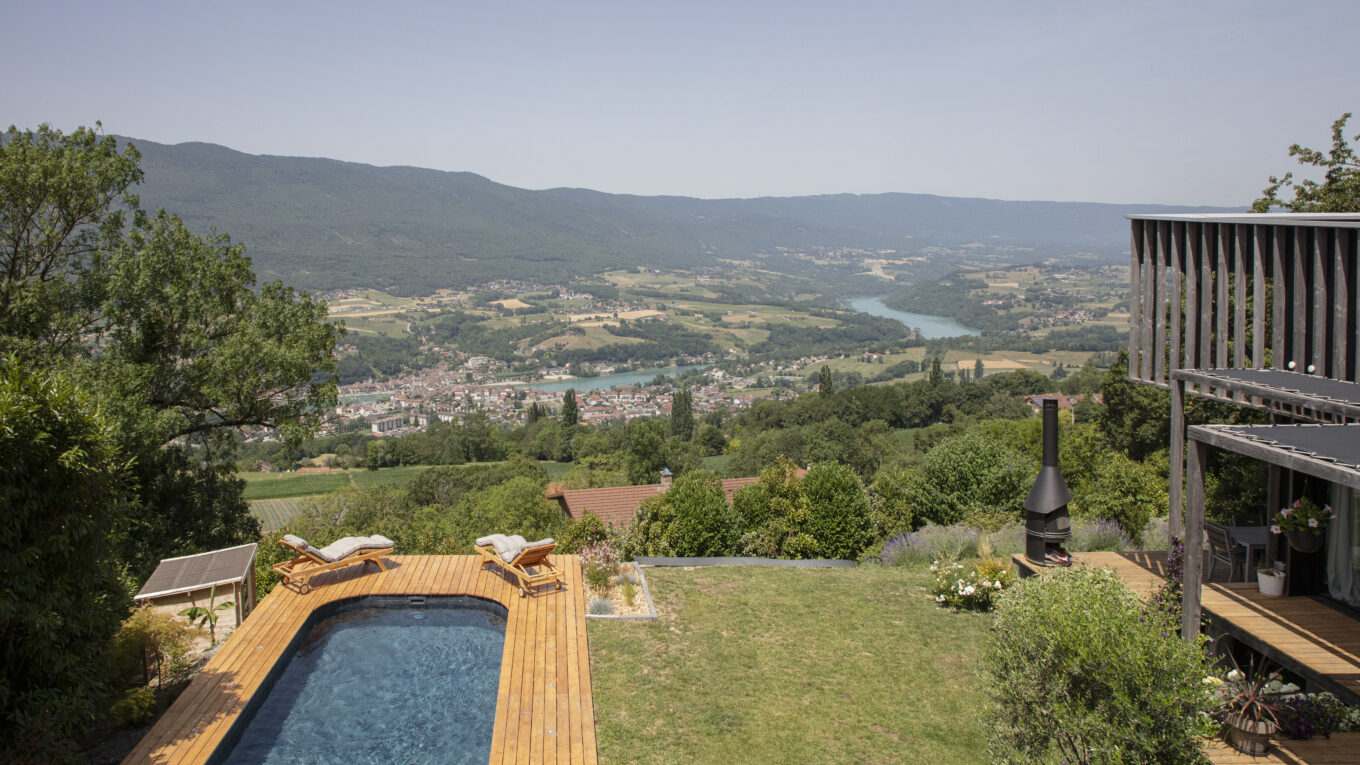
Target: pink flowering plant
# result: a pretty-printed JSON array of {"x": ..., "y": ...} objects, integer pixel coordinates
[
  {"x": 1303, "y": 515},
  {"x": 974, "y": 588},
  {"x": 599, "y": 563}
]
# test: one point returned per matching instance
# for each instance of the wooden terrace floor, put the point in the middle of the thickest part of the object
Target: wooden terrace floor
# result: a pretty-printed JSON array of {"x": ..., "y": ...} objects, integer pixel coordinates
[{"x": 544, "y": 711}]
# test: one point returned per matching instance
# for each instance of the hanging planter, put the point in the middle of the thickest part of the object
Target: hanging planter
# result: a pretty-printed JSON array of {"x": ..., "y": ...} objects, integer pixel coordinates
[{"x": 1305, "y": 541}]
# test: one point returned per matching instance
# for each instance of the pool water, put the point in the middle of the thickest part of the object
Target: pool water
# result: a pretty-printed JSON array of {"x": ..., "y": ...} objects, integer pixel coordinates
[{"x": 392, "y": 685}]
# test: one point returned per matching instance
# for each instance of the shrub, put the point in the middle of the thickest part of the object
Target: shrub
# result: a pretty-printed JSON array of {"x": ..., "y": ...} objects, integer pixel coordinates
[
  {"x": 1008, "y": 540},
  {"x": 600, "y": 606},
  {"x": 1099, "y": 536},
  {"x": 135, "y": 708},
  {"x": 598, "y": 564},
  {"x": 838, "y": 510},
  {"x": 1077, "y": 671},
  {"x": 1126, "y": 492},
  {"x": 972, "y": 588},
  {"x": 151, "y": 642},
  {"x": 580, "y": 534},
  {"x": 1156, "y": 534},
  {"x": 970, "y": 474},
  {"x": 930, "y": 543},
  {"x": 702, "y": 522}
]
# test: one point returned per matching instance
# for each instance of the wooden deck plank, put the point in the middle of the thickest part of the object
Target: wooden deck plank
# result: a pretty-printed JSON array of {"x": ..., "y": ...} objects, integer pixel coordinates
[{"x": 530, "y": 702}]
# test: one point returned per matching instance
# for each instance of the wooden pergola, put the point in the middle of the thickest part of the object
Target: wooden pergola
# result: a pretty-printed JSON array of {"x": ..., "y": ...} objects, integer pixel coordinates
[
  {"x": 1261, "y": 311},
  {"x": 1328, "y": 452}
]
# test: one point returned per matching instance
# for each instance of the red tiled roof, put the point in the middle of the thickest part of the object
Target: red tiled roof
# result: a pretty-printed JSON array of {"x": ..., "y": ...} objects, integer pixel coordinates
[{"x": 617, "y": 505}]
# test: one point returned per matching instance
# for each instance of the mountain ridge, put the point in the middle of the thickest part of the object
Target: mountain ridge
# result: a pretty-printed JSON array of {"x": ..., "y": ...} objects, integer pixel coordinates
[{"x": 322, "y": 223}]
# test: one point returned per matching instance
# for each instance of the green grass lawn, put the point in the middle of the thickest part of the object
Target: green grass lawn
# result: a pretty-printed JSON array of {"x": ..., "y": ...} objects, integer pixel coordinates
[
  {"x": 282, "y": 485},
  {"x": 780, "y": 665},
  {"x": 390, "y": 476}
]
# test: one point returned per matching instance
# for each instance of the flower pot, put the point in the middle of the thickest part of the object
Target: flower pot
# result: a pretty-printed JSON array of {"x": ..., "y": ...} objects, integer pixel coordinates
[
  {"x": 1305, "y": 541},
  {"x": 1272, "y": 585},
  {"x": 1249, "y": 736}
]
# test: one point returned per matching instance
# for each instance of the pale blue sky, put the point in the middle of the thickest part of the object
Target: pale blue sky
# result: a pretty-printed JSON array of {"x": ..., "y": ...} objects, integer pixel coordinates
[{"x": 1152, "y": 102}]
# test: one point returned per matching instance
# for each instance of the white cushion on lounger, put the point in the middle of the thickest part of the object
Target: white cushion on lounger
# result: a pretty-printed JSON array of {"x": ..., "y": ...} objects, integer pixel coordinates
[
  {"x": 347, "y": 546},
  {"x": 506, "y": 547}
]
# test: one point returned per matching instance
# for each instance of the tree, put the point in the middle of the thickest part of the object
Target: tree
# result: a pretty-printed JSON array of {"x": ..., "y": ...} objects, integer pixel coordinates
[
  {"x": 570, "y": 414},
  {"x": 1338, "y": 192},
  {"x": 936, "y": 372},
  {"x": 702, "y": 523},
  {"x": 63, "y": 486},
  {"x": 978, "y": 370},
  {"x": 825, "y": 386},
  {"x": 165, "y": 328},
  {"x": 682, "y": 414},
  {"x": 838, "y": 510}
]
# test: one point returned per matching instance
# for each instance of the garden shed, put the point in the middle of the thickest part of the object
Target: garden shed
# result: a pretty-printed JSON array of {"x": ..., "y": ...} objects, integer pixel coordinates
[{"x": 222, "y": 576}]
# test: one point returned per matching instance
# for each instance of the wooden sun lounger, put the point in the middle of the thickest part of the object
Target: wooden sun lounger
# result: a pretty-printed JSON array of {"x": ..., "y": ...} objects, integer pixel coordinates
[
  {"x": 529, "y": 557},
  {"x": 299, "y": 571}
]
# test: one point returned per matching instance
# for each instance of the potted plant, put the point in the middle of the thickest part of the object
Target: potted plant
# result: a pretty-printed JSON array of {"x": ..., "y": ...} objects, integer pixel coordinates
[
  {"x": 1304, "y": 523},
  {"x": 1251, "y": 709},
  {"x": 1270, "y": 581}
]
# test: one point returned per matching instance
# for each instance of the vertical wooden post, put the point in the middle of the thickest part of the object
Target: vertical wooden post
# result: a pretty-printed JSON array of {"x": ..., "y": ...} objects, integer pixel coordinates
[
  {"x": 1258, "y": 300},
  {"x": 1221, "y": 312},
  {"x": 1299, "y": 353},
  {"x": 1321, "y": 302},
  {"x": 1341, "y": 298},
  {"x": 1239, "y": 333},
  {"x": 1174, "y": 323},
  {"x": 1149, "y": 260},
  {"x": 1135, "y": 296},
  {"x": 1194, "y": 539},
  {"x": 1280, "y": 297},
  {"x": 1192, "y": 253},
  {"x": 1175, "y": 522},
  {"x": 1206, "y": 297},
  {"x": 1160, "y": 242}
]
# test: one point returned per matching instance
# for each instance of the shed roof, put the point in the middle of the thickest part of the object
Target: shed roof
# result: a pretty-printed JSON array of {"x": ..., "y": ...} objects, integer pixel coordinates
[{"x": 195, "y": 572}]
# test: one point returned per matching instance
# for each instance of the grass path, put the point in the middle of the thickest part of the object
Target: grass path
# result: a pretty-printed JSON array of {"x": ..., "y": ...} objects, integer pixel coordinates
[{"x": 778, "y": 665}]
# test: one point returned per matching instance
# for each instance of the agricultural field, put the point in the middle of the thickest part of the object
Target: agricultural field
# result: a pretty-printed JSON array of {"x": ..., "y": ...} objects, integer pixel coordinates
[
  {"x": 283, "y": 485},
  {"x": 273, "y": 513}
]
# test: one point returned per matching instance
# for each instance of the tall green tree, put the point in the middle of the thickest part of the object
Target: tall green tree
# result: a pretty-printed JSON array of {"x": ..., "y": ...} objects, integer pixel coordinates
[
  {"x": 166, "y": 328},
  {"x": 1339, "y": 190},
  {"x": 62, "y": 485},
  {"x": 570, "y": 413},
  {"x": 825, "y": 385},
  {"x": 682, "y": 414}
]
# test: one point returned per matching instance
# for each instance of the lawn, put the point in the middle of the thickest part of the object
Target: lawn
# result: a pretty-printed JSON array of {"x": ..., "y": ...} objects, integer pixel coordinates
[
  {"x": 778, "y": 665},
  {"x": 281, "y": 485}
]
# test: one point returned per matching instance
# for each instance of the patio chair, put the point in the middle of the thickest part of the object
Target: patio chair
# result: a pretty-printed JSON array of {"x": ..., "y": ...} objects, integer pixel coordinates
[
  {"x": 346, "y": 551},
  {"x": 518, "y": 557},
  {"x": 1222, "y": 548}
]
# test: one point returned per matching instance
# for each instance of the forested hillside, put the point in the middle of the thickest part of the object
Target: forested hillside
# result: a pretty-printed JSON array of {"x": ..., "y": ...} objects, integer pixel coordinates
[{"x": 322, "y": 224}]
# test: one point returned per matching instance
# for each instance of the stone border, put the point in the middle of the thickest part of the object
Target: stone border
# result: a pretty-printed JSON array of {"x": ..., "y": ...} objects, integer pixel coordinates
[
  {"x": 817, "y": 563},
  {"x": 646, "y": 593}
]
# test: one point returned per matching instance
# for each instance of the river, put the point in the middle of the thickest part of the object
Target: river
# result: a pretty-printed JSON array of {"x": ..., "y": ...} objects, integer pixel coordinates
[
  {"x": 605, "y": 382},
  {"x": 930, "y": 326}
]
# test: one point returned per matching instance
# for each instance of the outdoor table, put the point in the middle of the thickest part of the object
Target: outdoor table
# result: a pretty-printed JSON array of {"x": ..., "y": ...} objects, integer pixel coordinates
[{"x": 1252, "y": 538}]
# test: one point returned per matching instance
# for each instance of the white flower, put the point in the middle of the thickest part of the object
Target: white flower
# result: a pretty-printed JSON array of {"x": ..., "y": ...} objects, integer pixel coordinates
[
  {"x": 1235, "y": 675},
  {"x": 984, "y": 583},
  {"x": 939, "y": 598},
  {"x": 1312, "y": 523},
  {"x": 932, "y": 567},
  {"x": 968, "y": 590},
  {"x": 1276, "y": 529},
  {"x": 1211, "y": 680},
  {"x": 998, "y": 584}
]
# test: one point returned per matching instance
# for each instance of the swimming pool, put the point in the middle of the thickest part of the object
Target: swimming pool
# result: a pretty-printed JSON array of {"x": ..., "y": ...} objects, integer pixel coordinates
[{"x": 380, "y": 679}]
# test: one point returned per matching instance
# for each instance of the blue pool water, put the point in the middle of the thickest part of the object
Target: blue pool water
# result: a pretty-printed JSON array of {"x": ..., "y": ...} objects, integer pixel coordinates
[{"x": 391, "y": 685}]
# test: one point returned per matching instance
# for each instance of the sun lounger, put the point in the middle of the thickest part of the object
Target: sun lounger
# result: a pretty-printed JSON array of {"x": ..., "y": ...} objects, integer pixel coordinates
[
  {"x": 518, "y": 557},
  {"x": 338, "y": 554}
]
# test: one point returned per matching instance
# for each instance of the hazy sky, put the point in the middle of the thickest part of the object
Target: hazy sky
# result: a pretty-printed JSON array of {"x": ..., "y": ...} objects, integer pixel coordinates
[{"x": 1166, "y": 102}]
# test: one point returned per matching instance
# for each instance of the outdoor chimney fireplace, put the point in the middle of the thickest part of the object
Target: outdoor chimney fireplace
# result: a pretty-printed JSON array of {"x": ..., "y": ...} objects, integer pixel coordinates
[{"x": 1047, "y": 524}]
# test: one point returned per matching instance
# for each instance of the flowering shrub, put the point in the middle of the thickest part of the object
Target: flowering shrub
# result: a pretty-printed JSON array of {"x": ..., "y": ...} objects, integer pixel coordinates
[
  {"x": 968, "y": 589},
  {"x": 1099, "y": 535},
  {"x": 930, "y": 543},
  {"x": 1305, "y": 715},
  {"x": 599, "y": 562},
  {"x": 1265, "y": 695},
  {"x": 1303, "y": 515}
]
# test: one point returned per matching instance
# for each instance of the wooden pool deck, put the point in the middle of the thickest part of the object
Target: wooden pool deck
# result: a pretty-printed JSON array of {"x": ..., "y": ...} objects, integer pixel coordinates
[
  {"x": 544, "y": 710},
  {"x": 1300, "y": 633}
]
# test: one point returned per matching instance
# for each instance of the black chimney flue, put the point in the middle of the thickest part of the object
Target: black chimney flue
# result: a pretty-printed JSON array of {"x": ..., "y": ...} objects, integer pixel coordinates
[{"x": 1047, "y": 523}]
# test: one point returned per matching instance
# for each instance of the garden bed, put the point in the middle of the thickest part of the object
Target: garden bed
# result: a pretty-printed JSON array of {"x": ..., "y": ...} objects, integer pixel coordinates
[{"x": 642, "y": 607}]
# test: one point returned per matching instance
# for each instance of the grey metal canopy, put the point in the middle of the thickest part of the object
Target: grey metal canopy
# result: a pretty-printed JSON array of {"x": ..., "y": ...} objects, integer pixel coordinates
[
  {"x": 1330, "y": 452},
  {"x": 196, "y": 572}
]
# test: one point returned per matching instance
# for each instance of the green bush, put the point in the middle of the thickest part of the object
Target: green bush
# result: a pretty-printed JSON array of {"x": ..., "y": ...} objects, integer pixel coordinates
[
  {"x": 1078, "y": 671},
  {"x": 838, "y": 510},
  {"x": 135, "y": 708},
  {"x": 969, "y": 475},
  {"x": 971, "y": 588},
  {"x": 580, "y": 534},
  {"x": 1126, "y": 492},
  {"x": 703, "y": 523}
]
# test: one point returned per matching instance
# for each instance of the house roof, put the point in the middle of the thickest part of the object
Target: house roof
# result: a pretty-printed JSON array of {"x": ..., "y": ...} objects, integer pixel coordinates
[
  {"x": 617, "y": 505},
  {"x": 196, "y": 572}
]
